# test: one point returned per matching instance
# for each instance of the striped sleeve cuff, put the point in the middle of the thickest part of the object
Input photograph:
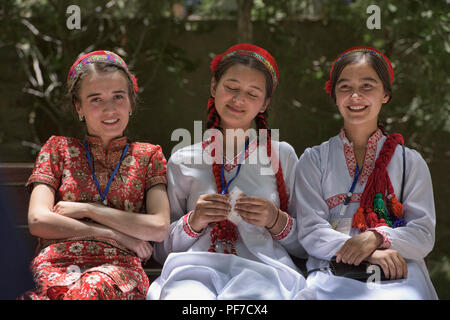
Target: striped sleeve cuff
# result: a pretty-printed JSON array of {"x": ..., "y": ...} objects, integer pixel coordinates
[
  {"x": 286, "y": 230},
  {"x": 187, "y": 228},
  {"x": 386, "y": 244}
]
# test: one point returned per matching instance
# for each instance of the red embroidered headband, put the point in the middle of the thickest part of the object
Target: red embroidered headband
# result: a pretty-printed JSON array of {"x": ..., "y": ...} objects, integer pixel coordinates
[
  {"x": 252, "y": 51},
  {"x": 370, "y": 50},
  {"x": 100, "y": 56}
]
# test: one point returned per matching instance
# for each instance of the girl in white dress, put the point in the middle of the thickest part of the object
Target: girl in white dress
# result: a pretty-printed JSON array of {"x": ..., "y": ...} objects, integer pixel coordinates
[
  {"x": 206, "y": 256},
  {"x": 362, "y": 196}
]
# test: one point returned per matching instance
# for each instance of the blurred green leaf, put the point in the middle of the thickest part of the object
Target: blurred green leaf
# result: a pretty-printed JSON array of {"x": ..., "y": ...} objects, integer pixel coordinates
[{"x": 392, "y": 7}]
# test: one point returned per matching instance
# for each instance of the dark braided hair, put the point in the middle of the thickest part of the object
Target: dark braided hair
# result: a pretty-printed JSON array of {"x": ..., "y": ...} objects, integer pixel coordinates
[{"x": 213, "y": 121}]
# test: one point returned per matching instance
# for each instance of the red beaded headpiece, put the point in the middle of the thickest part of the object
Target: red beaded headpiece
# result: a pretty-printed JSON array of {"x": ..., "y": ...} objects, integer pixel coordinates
[
  {"x": 370, "y": 50},
  {"x": 252, "y": 51},
  {"x": 100, "y": 56},
  {"x": 248, "y": 50}
]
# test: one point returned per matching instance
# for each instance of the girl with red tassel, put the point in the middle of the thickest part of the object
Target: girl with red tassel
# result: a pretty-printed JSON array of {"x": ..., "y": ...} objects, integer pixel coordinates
[
  {"x": 349, "y": 189},
  {"x": 208, "y": 254}
]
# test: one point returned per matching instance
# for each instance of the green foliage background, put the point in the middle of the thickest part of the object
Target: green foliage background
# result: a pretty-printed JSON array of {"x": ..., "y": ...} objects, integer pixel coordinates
[{"x": 170, "y": 55}]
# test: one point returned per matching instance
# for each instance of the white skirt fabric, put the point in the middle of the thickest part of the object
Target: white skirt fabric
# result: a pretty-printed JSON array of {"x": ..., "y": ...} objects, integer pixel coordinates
[
  {"x": 210, "y": 276},
  {"x": 415, "y": 287}
]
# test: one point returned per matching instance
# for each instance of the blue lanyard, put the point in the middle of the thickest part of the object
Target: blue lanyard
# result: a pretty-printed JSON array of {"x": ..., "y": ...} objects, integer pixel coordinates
[
  {"x": 355, "y": 179},
  {"x": 88, "y": 155},
  {"x": 222, "y": 174}
]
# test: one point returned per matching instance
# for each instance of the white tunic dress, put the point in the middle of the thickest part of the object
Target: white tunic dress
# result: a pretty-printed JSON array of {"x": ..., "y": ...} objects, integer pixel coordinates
[
  {"x": 262, "y": 268},
  {"x": 324, "y": 175}
]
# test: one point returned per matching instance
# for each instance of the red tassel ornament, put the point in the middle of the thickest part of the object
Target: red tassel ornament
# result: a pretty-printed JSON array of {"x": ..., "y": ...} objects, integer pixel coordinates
[
  {"x": 372, "y": 219},
  {"x": 359, "y": 220},
  {"x": 373, "y": 212},
  {"x": 395, "y": 206},
  {"x": 382, "y": 223},
  {"x": 224, "y": 232},
  {"x": 135, "y": 84},
  {"x": 327, "y": 87}
]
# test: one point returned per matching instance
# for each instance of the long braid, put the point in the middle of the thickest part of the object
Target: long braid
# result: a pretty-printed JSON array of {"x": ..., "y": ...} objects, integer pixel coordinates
[
  {"x": 261, "y": 123},
  {"x": 213, "y": 116},
  {"x": 213, "y": 123}
]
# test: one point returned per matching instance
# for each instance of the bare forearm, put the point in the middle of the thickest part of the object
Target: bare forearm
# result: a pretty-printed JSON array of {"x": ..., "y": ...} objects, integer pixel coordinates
[
  {"x": 149, "y": 227},
  {"x": 45, "y": 222},
  {"x": 49, "y": 225}
]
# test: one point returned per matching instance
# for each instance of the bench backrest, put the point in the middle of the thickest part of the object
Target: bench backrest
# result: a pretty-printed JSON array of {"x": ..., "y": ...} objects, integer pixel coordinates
[{"x": 13, "y": 177}]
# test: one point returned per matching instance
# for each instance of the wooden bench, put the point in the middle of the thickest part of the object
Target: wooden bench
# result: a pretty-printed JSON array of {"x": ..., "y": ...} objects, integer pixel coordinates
[{"x": 13, "y": 177}]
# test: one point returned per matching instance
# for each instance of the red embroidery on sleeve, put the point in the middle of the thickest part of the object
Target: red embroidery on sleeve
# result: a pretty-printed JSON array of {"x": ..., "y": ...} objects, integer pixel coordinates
[
  {"x": 286, "y": 230},
  {"x": 386, "y": 244},
  {"x": 187, "y": 228}
]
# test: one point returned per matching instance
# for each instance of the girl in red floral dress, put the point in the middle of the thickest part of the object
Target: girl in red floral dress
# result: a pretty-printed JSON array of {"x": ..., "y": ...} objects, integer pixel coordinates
[{"x": 95, "y": 204}]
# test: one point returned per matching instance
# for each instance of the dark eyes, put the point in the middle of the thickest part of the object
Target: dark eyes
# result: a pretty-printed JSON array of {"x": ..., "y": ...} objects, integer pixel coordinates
[
  {"x": 365, "y": 86},
  {"x": 115, "y": 97},
  {"x": 344, "y": 87}
]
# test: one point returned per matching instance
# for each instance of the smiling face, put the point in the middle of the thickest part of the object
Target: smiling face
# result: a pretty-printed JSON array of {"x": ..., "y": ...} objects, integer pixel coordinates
[
  {"x": 360, "y": 95},
  {"x": 240, "y": 95},
  {"x": 105, "y": 105}
]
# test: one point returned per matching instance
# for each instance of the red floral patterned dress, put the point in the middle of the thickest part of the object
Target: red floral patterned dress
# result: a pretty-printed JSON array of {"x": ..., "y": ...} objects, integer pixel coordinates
[{"x": 94, "y": 268}]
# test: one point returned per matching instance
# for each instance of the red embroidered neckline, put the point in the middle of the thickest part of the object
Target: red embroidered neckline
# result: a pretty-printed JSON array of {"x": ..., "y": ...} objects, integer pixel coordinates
[
  {"x": 369, "y": 159},
  {"x": 231, "y": 164},
  {"x": 114, "y": 145}
]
